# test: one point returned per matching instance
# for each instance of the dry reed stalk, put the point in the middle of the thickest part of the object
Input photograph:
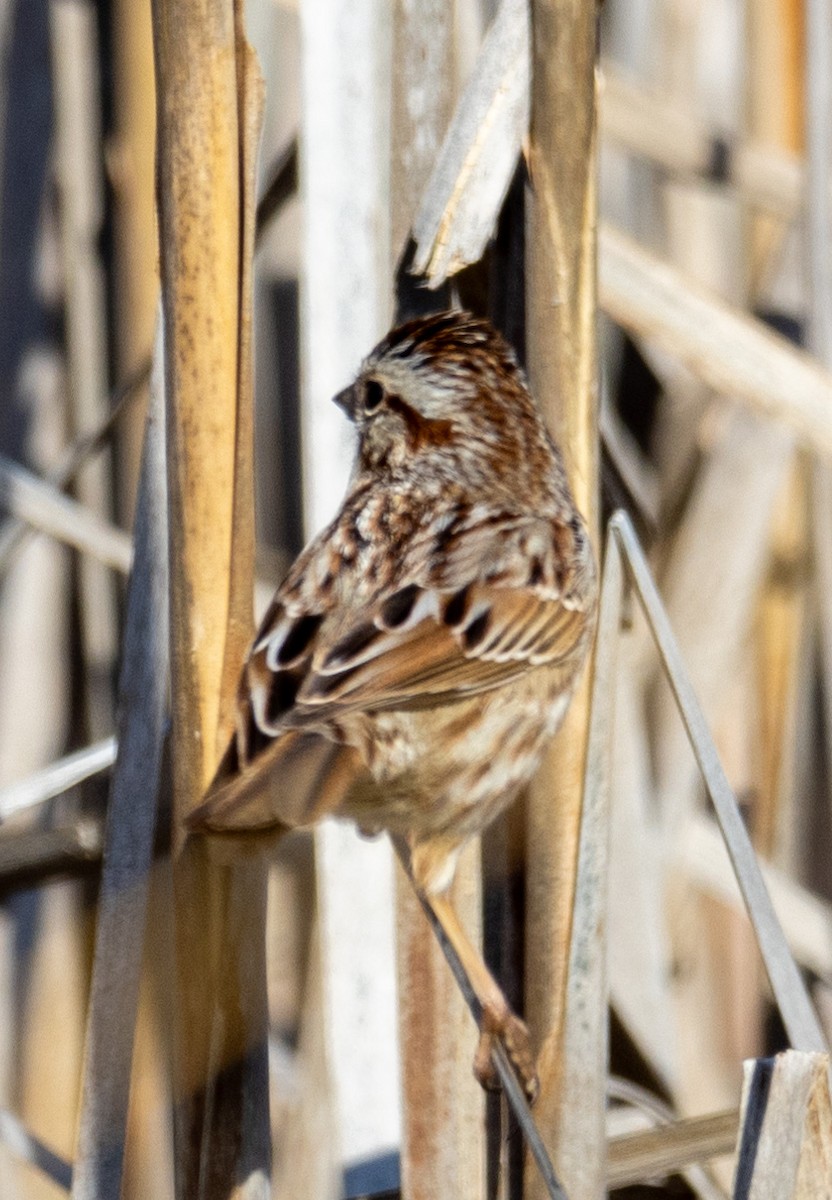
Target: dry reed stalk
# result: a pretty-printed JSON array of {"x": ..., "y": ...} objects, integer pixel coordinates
[
  {"x": 310, "y": 1165},
  {"x": 457, "y": 212},
  {"x": 806, "y": 918},
  {"x": 638, "y": 935},
  {"x": 631, "y": 194},
  {"x": 57, "y": 778},
  {"x": 34, "y": 629},
  {"x": 208, "y": 104},
  {"x": 24, "y": 1145},
  {"x": 711, "y": 600},
  {"x": 51, "y": 1037},
  {"x": 42, "y": 506},
  {"x": 799, "y": 1018},
  {"x": 345, "y": 306},
  {"x": 474, "y": 168},
  {"x": 704, "y": 242},
  {"x": 785, "y": 1143},
  {"x": 443, "y": 1109},
  {"x": 561, "y": 316},
  {"x": 583, "y": 1074},
  {"x": 74, "y": 457},
  {"x": 818, "y": 64},
  {"x": 662, "y": 1151},
  {"x": 818, "y": 57},
  {"x": 34, "y": 649},
  {"x": 131, "y": 825},
  {"x": 780, "y": 640},
  {"x": 774, "y": 115},
  {"x": 734, "y": 354},
  {"x": 775, "y": 97},
  {"x": 443, "y": 1145},
  {"x": 66, "y": 850},
  {"x": 149, "y": 1151},
  {"x": 78, "y": 150},
  {"x": 130, "y": 162},
  {"x": 664, "y": 130},
  {"x": 505, "y": 1072},
  {"x": 422, "y": 103}
]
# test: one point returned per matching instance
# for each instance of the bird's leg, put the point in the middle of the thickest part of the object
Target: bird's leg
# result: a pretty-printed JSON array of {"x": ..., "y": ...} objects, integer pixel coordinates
[
  {"x": 496, "y": 1019},
  {"x": 429, "y": 868}
]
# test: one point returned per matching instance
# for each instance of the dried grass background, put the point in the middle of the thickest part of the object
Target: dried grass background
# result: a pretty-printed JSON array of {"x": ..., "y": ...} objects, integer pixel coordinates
[{"x": 173, "y": 1023}]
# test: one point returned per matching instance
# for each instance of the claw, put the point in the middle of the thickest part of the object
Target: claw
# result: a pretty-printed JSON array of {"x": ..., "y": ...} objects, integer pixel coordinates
[
  {"x": 484, "y": 1071},
  {"x": 514, "y": 1035}
]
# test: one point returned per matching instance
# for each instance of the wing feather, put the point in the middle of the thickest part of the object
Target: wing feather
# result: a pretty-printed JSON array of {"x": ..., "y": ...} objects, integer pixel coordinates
[
  {"x": 504, "y": 596},
  {"x": 430, "y": 660}
]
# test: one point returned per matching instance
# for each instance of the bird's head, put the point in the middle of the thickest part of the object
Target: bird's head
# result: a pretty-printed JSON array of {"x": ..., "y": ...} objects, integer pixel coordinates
[{"x": 444, "y": 388}]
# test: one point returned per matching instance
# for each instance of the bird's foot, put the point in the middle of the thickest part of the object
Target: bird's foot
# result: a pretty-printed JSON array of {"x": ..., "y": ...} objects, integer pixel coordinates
[{"x": 514, "y": 1035}]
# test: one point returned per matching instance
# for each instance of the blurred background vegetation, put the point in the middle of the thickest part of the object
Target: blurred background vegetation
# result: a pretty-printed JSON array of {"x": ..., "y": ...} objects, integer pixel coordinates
[{"x": 714, "y": 159}]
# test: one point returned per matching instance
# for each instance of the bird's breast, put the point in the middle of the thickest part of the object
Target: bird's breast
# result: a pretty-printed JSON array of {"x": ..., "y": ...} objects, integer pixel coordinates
[{"x": 449, "y": 770}]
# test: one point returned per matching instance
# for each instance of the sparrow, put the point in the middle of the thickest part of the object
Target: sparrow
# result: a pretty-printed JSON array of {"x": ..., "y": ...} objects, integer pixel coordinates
[{"x": 424, "y": 647}]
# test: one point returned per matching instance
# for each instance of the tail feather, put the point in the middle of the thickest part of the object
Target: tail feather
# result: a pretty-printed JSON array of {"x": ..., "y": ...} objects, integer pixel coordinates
[{"x": 296, "y": 781}]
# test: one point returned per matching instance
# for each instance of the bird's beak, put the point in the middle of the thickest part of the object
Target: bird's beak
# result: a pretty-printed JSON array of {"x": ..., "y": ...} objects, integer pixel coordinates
[{"x": 346, "y": 401}]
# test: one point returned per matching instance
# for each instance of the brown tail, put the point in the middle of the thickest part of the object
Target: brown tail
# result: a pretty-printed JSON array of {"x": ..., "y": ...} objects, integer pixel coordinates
[{"x": 296, "y": 781}]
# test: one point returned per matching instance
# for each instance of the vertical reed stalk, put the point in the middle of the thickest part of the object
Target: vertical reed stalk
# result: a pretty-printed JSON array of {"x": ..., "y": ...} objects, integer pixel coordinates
[
  {"x": 208, "y": 106},
  {"x": 130, "y": 163},
  {"x": 561, "y": 343},
  {"x": 78, "y": 152},
  {"x": 443, "y": 1149}
]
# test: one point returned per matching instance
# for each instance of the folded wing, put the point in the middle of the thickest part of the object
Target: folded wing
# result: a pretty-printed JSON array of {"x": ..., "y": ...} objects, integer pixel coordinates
[{"x": 527, "y": 602}]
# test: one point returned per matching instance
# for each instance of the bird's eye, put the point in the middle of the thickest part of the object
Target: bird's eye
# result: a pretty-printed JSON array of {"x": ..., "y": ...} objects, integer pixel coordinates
[{"x": 373, "y": 395}]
